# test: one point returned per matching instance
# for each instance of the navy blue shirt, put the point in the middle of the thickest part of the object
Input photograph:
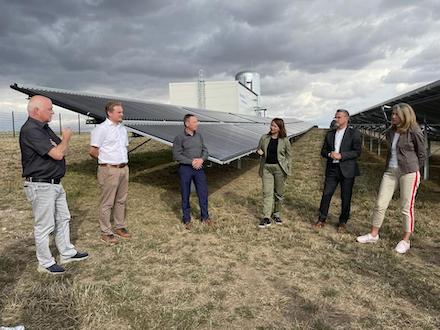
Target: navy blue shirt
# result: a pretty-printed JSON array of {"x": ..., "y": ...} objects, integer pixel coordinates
[{"x": 36, "y": 140}]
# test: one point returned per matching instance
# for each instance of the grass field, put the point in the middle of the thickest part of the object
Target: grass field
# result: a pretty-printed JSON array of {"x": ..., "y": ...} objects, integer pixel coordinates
[{"x": 231, "y": 276}]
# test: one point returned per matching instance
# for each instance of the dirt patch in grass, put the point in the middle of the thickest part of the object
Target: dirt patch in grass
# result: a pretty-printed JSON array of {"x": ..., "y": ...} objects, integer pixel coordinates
[{"x": 232, "y": 275}]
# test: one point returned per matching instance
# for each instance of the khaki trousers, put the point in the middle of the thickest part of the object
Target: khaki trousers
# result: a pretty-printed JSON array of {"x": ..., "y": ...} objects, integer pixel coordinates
[
  {"x": 273, "y": 190},
  {"x": 113, "y": 182},
  {"x": 407, "y": 183}
]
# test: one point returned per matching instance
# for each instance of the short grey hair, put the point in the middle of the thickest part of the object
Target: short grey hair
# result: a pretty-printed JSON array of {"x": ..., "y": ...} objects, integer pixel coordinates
[
  {"x": 35, "y": 102},
  {"x": 343, "y": 111}
]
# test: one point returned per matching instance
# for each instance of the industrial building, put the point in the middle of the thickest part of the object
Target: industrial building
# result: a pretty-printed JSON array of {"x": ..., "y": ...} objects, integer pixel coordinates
[{"x": 240, "y": 96}]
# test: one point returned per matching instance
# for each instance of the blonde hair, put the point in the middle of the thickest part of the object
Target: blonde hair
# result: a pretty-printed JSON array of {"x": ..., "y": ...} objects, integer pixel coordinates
[
  {"x": 110, "y": 106},
  {"x": 407, "y": 117}
]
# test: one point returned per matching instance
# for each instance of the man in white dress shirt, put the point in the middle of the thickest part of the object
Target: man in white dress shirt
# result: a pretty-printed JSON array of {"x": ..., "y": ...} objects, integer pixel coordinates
[
  {"x": 108, "y": 144},
  {"x": 342, "y": 147}
]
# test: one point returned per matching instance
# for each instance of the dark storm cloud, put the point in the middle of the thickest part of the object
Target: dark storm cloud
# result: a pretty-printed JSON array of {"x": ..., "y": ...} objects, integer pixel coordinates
[{"x": 143, "y": 45}]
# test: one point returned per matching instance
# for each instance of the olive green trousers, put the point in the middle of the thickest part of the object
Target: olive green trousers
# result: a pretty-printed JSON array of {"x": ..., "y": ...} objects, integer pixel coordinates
[{"x": 273, "y": 190}]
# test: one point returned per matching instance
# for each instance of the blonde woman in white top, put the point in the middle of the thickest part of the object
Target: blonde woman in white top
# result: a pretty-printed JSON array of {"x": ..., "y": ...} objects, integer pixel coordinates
[{"x": 406, "y": 155}]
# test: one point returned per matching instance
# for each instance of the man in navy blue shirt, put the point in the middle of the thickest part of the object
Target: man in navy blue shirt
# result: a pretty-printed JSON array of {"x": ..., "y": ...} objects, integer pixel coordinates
[{"x": 42, "y": 157}]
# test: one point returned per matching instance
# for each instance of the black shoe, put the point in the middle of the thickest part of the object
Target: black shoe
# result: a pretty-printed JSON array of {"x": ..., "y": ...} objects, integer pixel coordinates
[
  {"x": 263, "y": 223},
  {"x": 77, "y": 257},
  {"x": 268, "y": 222},
  {"x": 277, "y": 220},
  {"x": 53, "y": 270}
]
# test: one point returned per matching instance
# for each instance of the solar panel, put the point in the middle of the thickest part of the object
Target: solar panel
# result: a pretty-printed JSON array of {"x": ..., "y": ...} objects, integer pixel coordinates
[
  {"x": 424, "y": 100},
  {"x": 227, "y": 136},
  {"x": 220, "y": 116},
  {"x": 93, "y": 105},
  {"x": 257, "y": 128}
]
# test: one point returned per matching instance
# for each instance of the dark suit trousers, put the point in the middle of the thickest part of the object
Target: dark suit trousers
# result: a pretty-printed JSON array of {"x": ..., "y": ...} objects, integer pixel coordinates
[{"x": 333, "y": 178}]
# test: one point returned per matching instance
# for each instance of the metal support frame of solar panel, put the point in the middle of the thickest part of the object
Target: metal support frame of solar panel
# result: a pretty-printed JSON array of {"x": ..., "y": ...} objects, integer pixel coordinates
[
  {"x": 425, "y": 101},
  {"x": 163, "y": 122}
]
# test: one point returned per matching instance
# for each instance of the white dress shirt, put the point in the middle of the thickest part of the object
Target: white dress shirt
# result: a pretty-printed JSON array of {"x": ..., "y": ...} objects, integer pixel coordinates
[
  {"x": 339, "y": 135},
  {"x": 112, "y": 140},
  {"x": 393, "y": 160}
]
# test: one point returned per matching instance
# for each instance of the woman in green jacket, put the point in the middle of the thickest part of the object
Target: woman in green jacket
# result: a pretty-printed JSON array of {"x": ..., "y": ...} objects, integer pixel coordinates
[{"x": 275, "y": 152}]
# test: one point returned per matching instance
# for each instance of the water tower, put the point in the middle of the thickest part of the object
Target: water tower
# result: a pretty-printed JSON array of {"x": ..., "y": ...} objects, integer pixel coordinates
[{"x": 250, "y": 79}]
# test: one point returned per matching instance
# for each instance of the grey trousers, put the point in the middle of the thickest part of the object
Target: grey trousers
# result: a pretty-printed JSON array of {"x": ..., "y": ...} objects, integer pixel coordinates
[{"x": 51, "y": 214}]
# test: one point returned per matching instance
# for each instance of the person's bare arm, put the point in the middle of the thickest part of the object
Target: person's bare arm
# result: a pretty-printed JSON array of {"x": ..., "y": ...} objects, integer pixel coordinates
[
  {"x": 94, "y": 152},
  {"x": 58, "y": 152}
]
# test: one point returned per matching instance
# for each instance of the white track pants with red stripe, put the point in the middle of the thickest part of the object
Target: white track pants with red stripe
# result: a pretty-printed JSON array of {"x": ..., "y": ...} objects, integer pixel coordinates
[{"x": 407, "y": 184}]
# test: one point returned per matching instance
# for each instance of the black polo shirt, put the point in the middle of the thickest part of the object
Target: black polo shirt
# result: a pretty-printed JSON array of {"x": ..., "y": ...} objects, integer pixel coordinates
[{"x": 36, "y": 140}]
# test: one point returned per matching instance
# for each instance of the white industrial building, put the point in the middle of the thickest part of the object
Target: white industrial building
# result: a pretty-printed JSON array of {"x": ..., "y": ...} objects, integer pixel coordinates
[{"x": 236, "y": 96}]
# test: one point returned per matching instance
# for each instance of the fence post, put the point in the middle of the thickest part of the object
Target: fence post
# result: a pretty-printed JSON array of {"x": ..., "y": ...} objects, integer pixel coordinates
[
  {"x": 13, "y": 124},
  {"x": 79, "y": 125}
]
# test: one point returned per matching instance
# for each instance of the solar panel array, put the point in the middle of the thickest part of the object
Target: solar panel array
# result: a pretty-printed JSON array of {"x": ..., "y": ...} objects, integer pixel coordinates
[
  {"x": 228, "y": 136},
  {"x": 424, "y": 100}
]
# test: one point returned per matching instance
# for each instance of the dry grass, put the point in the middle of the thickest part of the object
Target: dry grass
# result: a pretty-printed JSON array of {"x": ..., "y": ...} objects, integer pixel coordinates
[{"x": 230, "y": 276}]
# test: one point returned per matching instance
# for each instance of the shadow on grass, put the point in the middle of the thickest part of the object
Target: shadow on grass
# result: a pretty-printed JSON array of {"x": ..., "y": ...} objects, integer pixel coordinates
[
  {"x": 307, "y": 313},
  {"x": 386, "y": 266},
  {"x": 428, "y": 252},
  {"x": 48, "y": 301},
  {"x": 167, "y": 179},
  {"x": 252, "y": 204},
  {"x": 14, "y": 260},
  {"x": 45, "y": 301}
]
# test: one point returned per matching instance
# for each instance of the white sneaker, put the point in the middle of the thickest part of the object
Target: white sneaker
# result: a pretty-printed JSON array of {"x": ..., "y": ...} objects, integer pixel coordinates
[
  {"x": 368, "y": 238},
  {"x": 403, "y": 247}
]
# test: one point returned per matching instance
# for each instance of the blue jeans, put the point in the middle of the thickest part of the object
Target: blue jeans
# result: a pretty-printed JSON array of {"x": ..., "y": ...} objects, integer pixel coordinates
[{"x": 187, "y": 174}]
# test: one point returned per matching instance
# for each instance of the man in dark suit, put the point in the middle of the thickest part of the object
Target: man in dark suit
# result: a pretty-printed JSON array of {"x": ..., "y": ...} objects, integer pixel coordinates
[{"x": 342, "y": 146}]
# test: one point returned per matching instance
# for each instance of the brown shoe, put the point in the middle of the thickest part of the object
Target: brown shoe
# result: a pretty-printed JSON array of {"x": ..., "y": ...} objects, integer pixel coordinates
[
  {"x": 319, "y": 224},
  {"x": 188, "y": 225},
  {"x": 122, "y": 232},
  {"x": 342, "y": 228},
  {"x": 208, "y": 222},
  {"x": 109, "y": 239}
]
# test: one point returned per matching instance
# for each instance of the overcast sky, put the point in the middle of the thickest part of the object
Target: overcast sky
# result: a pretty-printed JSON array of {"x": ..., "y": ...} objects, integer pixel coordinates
[{"x": 313, "y": 56}]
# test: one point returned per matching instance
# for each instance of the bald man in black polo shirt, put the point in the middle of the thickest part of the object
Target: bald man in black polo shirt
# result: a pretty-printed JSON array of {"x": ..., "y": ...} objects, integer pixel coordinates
[{"x": 42, "y": 157}]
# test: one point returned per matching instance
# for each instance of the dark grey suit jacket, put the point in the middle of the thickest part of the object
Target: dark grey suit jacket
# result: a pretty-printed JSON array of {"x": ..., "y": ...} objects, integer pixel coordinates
[{"x": 351, "y": 147}]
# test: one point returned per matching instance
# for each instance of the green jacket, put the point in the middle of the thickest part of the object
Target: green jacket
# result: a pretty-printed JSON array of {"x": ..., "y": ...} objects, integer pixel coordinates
[{"x": 284, "y": 153}]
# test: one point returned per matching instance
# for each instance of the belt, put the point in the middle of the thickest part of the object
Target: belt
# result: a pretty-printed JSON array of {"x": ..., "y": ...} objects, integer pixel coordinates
[
  {"x": 52, "y": 181},
  {"x": 114, "y": 165}
]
